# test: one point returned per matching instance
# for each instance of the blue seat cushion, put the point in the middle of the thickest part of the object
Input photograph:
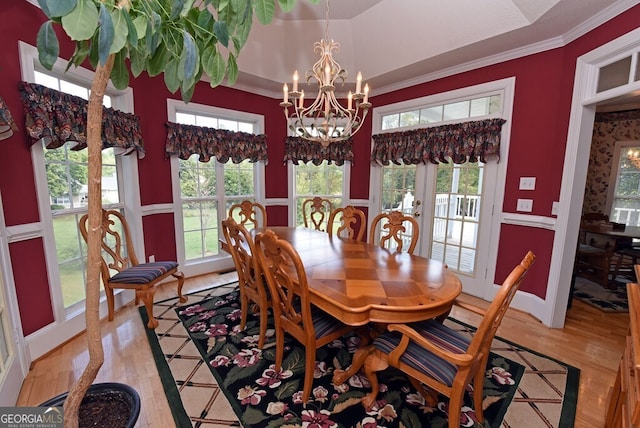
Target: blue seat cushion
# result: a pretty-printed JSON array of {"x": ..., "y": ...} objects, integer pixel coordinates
[
  {"x": 421, "y": 359},
  {"x": 143, "y": 273}
]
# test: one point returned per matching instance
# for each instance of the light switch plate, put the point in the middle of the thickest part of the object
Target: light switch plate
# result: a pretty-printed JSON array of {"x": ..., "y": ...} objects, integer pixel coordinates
[
  {"x": 525, "y": 205},
  {"x": 527, "y": 183},
  {"x": 554, "y": 207}
]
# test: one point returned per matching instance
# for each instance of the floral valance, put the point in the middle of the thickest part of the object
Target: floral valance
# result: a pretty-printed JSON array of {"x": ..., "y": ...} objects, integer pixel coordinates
[
  {"x": 57, "y": 118},
  {"x": 221, "y": 144},
  {"x": 297, "y": 150},
  {"x": 459, "y": 143}
]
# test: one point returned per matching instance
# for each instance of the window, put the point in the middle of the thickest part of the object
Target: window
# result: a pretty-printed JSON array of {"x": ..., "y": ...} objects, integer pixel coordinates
[
  {"x": 208, "y": 189},
  {"x": 324, "y": 180},
  {"x": 66, "y": 172},
  {"x": 61, "y": 177},
  {"x": 458, "y": 110},
  {"x": 625, "y": 203}
]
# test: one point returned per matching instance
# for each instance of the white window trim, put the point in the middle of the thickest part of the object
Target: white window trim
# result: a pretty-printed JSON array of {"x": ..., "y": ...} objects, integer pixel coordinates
[
  {"x": 67, "y": 324},
  {"x": 222, "y": 261}
]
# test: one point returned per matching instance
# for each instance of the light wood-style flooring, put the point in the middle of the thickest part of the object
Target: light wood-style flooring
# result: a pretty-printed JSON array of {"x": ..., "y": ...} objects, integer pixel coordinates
[{"x": 591, "y": 340}]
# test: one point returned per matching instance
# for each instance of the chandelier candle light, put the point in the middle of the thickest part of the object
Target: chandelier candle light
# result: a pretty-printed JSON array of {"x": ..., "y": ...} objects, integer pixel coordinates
[{"x": 326, "y": 120}]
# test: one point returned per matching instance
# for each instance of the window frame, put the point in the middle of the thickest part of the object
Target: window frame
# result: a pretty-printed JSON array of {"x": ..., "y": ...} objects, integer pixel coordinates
[
  {"x": 221, "y": 261},
  {"x": 127, "y": 171},
  {"x": 619, "y": 147}
]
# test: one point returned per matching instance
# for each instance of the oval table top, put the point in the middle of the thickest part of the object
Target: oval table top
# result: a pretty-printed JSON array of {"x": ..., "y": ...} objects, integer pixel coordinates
[{"x": 360, "y": 283}]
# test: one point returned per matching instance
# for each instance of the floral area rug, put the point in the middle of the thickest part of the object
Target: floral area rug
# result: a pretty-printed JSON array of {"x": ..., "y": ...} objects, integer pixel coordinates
[
  {"x": 608, "y": 300},
  {"x": 262, "y": 397},
  {"x": 214, "y": 376}
]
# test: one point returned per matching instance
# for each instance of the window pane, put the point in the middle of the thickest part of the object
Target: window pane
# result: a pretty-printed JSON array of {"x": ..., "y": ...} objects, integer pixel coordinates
[
  {"x": 614, "y": 75},
  {"x": 390, "y": 121},
  {"x": 245, "y": 127},
  {"x": 409, "y": 118},
  {"x": 209, "y": 122},
  {"x": 46, "y": 80},
  {"x": 456, "y": 110},
  {"x": 238, "y": 179},
  {"x": 431, "y": 114},
  {"x": 479, "y": 107},
  {"x": 322, "y": 180},
  {"x": 626, "y": 203},
  {"x": 73, "y": 89},
  {"x": 71, "y": 255},
  {"x": 231, "y": 125},
  {"x": 187, "y": 119}
]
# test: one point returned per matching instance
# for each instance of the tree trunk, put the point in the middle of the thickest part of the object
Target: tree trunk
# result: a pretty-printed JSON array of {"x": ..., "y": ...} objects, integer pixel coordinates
[{"x": 94, "y": 195}]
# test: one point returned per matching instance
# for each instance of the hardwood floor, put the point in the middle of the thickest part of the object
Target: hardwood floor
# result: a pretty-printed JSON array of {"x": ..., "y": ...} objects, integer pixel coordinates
[{"x": 591, "y": 340}]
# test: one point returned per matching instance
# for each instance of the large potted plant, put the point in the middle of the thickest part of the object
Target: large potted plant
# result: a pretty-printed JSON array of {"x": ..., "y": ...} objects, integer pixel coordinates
[{"x": 180, "y": 39}]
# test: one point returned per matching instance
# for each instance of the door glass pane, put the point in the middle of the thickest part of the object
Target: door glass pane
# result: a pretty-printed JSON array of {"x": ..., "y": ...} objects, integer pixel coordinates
[
  {"x": 456, "y": 215},
  {"x": 398, "y": 194}
]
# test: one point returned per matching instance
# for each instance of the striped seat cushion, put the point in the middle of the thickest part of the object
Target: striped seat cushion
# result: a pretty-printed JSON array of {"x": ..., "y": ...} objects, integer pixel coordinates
[
  {"x": 421, "y": 359},
  {"x": 143, "y": 273},
  {"x": 323, "y": 323}
]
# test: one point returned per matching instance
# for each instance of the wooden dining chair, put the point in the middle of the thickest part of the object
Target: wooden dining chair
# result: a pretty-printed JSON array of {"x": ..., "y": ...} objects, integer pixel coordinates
[
  {"x": 315, "y": 212},
  {"x": 393, "y": 230},
  {"x": 441, "y": 358},
  {"x": 247, "y": 212},
  {"x": 349, "y": 218},
  {"x": 292, "y": 308},
  {"x": 250, "y": 281},
  {"x": 118, "y": 255},
  {"x": 593, "y": 256}
]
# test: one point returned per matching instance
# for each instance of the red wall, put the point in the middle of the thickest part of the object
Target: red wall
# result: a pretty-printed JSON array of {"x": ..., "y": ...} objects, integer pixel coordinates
[{"x": 544, "y": 84}]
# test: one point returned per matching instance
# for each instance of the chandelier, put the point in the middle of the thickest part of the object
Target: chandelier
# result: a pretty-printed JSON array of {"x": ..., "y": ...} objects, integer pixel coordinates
[{"x": 325, "y": 120}]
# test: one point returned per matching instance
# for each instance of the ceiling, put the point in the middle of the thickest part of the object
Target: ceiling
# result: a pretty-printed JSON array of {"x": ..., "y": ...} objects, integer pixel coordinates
[{"x": 398, "y": 43}]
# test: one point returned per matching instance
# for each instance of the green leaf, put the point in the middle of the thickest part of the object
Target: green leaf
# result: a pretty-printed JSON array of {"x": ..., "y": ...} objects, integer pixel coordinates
[
  {"x": 132, "y": 33},
  {"x": 120, "y": 73},
  {"x": 220, "y": 30},
  {"x": 265, "y": 9},
  {"x": 188, "y": 6},
  {"x": 243, "y": 31},
  {"x": 138, "y": 61},
  {"x": 232, "y": 69},
  {"x": 187, "y": 93},
  {"x": 171, "y": 76},
  {"x": 287, "y": 5},
  {"x": 82, "y": 22},
  {"x": 159, "y": 60},
  {"x": 80, "y": 54},
  {"x": 210, "y": 61},
  {"x": 48, "y": 46},
  {"x": 188, "y": 58},
  {"x": 120, "y": 30},
  {"x": 105, "y": 34},
  {"x": 140, "y": 22},
  {"x": 152, "y": 35},
  {"x": 57, "y": 8},
  {"x": 176, "y": 9},
  {"x": 93, "y": 51}
]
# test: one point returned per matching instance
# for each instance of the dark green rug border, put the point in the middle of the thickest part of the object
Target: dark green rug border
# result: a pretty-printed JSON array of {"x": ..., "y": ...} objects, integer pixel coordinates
[
  {"x": 176, "y": 406},
  {"x": 570, "y": 401},
  {"x": 180, "y": 416},
  {"x": 567, "y": 416}
]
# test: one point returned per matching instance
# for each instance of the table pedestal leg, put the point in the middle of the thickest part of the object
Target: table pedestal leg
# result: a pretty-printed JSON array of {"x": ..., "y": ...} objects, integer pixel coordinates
[{"x": 341, "y": 376}]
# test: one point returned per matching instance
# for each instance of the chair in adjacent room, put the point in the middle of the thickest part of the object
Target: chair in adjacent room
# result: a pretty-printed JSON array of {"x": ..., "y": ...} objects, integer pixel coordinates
[
  {"x": 293, "y": 312},
  {"x": 248, "y": 212},
  {"x": 395, "y": 231},
  {"x": 315, "y": 212},
  {"x": 118, "y": 255},
  {"x": 443, "y": 359},
  {"x": 252, "y": 288},
  {"x": 348, "y": 218},
  {"x": 593, "y": 256}
]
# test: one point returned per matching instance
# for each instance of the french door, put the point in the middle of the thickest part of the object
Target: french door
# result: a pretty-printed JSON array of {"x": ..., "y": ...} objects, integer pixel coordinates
[{"x": 453, "y": 208}]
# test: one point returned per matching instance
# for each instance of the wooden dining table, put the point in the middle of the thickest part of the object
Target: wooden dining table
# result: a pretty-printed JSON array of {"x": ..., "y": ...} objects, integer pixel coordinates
[{"x": 360, "y": 283}]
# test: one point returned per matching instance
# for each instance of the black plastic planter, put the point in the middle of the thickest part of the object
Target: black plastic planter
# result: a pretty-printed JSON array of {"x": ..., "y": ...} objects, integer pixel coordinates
[{"x": 105, "y": 405}]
